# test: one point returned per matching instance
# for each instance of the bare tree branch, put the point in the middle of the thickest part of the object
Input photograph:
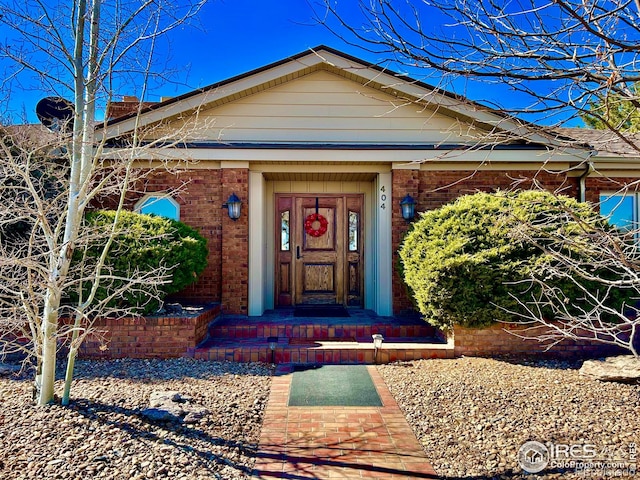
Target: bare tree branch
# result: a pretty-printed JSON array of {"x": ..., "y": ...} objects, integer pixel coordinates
[{"x": 49, "y": 179}]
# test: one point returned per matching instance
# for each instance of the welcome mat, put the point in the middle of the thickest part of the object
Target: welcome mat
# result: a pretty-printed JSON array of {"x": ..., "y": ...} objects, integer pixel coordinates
[
  {"x": 320, "y": 311},
  {"x": 333, "y": 386}
]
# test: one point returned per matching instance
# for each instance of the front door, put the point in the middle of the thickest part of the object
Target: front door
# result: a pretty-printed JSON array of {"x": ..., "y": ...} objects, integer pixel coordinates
[{"x": 320, "y": 249}]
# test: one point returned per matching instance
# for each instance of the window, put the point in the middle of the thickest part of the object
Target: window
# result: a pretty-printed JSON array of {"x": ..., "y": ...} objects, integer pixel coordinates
[
  {"x": 620, "y": 210},
  {"x": 284, "y": 231},
  {"x": 160, "y": 205},
  {"x": 354, "y": 223}
]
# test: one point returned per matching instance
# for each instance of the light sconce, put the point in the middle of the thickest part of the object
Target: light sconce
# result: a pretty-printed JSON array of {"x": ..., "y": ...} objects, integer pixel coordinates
[
  {"x": 233, "y": 204},
  {"x": 377, "y": 345},
  {"x": 273, "y": 343},
  {"x": 408, "y": 207}
]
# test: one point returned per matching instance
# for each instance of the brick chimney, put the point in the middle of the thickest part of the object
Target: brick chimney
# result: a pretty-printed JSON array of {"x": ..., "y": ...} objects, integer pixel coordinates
[{"x": 129, "y": 104}]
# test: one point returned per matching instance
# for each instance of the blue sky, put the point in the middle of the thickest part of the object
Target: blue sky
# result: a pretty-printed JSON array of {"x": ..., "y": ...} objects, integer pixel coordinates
[
  {"x": 230, "y": 37},
  {"x": 235, "y": 36}
]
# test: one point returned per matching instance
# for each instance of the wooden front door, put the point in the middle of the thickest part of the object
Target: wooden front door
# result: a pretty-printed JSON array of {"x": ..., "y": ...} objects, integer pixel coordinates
[{"x": 319, "y": 258}]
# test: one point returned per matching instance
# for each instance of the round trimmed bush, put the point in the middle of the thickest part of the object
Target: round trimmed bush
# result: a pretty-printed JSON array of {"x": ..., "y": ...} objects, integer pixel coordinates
[
  {"x": 143, "y": 244},
  {"x": 464, "y": 265}
]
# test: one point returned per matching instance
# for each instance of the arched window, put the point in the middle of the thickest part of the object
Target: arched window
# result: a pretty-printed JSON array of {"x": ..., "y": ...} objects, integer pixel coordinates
[{"x": 160, "y": 205}]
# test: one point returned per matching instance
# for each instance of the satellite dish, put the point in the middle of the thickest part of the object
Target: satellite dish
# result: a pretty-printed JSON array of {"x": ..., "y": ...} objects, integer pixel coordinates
[{"x": 56, "y": 113}]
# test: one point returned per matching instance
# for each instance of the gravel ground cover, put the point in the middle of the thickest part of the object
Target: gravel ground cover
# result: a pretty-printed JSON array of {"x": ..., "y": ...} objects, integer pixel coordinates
[
  {"x": 102, "y": 435},
  {"x": 472, "y": 414}
]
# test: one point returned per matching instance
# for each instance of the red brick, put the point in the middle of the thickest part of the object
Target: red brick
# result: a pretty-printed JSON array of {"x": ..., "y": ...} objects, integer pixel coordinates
[{"x": 494, "y": 340}]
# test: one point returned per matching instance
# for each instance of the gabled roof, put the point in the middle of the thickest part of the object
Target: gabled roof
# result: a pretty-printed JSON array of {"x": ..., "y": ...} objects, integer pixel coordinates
[{"x": 366, "y": 73}]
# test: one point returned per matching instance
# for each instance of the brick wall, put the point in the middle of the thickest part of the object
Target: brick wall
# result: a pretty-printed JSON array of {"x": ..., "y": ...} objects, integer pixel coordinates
[
  {"x": 235, "y": 244},
  {"x": 198, "y": 192},
  {"x": 201, "y": 194},
  {"x": 596, "y": 185},
  {"x": 148, "y": 337},
  {"x": 440, "y": 187},
  {"x": 497, "y": 340},
  {"x": 403, "y": 182}
]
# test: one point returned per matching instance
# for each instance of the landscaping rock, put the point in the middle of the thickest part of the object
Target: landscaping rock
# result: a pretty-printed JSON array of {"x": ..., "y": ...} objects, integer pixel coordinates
[
  {"x": 447, "y": 401},
  {"x": 160, "y": 415},
  {"x": 167, "y": 406},
  {"x": 103, "y": 436},
  {"x": 623, "y": 368}
]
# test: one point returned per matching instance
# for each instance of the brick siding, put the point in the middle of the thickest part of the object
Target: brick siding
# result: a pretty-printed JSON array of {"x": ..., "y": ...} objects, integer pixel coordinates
[
  {"x": 204, "y": 192},
  {"x": 148, "y": 337},
  {"x": 596, "y": 185},
  {"x": 499, "y": 339},
  {"x": 235, "y": 244},
  {"x": 403, "y": 182},
  {"x": 440, "y": 187},
  {"x": 200, "y": 201}
]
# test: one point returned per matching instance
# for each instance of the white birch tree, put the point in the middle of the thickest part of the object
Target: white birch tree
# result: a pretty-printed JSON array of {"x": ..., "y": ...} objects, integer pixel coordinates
[{"x": 83, "y": 50}]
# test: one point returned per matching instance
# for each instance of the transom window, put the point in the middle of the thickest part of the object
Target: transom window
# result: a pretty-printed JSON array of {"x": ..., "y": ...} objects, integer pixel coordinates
[{"x": 160, "y": 205}]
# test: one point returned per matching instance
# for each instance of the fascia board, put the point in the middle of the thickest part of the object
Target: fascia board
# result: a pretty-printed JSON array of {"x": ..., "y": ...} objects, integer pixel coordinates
[{"x": 310, "y": 155}]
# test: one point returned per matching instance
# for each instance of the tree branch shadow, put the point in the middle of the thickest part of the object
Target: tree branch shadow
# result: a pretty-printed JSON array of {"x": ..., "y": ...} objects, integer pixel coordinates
[{"x": 106, "y": 414}]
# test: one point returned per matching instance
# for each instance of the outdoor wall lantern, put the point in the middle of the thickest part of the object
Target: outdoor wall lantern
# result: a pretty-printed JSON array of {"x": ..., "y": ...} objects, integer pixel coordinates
[
  {"x": 273, "y": 343},
  {"x": 408, "y": 207},
  {"x": 233, "y": 205},
  {"x": 377, "y": 344}
]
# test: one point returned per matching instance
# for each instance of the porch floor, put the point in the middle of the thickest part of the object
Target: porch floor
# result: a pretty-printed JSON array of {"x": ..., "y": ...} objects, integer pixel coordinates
[{"x": 321, "y": 340}]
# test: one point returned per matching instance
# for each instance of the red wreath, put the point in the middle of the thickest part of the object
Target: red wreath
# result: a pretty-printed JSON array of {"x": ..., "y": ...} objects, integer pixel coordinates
[{"x": 310, "y": 220}]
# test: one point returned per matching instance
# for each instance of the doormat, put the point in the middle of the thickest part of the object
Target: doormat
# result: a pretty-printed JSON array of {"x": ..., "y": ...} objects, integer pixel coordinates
[
  {"x": 333, "y": 386},
  {"x": 320, "y": 311}
]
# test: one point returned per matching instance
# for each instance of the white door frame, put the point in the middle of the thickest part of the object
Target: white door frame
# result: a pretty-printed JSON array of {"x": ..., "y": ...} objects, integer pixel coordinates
[{"x": 378, "y": 258}]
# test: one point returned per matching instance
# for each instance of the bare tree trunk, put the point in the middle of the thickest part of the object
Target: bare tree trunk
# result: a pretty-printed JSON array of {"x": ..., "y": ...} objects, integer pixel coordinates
[
  {"x": 44, "y": 385},
  {"x": 86, "y": 156}
]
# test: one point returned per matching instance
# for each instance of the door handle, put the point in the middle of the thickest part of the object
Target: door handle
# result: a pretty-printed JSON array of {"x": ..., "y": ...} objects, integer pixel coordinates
[{"x": 298, "y": 252}]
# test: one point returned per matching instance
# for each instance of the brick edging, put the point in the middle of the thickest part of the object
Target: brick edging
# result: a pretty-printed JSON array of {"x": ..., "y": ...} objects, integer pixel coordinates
[
  {"x": 147, "y": 337},
  {"x": 501, "y": 339}
]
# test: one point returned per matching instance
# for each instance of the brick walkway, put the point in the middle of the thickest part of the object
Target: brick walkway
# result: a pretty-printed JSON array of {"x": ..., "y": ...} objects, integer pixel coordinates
[{"x": 337, "y": 442}]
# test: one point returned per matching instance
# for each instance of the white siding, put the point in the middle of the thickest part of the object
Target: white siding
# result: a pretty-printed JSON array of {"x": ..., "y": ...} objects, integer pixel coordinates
[{"x": 324, "y": 107}]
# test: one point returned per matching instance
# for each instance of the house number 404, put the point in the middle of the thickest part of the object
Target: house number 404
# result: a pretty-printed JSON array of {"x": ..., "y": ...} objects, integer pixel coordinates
[{"x": 383, "y": 198}]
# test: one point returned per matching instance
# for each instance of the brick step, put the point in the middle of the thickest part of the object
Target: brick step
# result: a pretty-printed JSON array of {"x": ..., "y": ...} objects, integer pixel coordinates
[
  {"x": 323, "y": 351},
  {"x": 319, "y": 329}
]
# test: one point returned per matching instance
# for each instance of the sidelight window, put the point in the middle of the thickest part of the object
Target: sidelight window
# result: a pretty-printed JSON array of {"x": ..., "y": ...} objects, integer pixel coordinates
[{"x": 285, "y": 229}]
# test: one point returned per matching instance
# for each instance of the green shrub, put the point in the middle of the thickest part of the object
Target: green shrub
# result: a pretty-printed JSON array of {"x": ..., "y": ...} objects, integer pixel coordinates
[
  {"x": 143, "y": 244},
  {"x": 464, "y": 265}
]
